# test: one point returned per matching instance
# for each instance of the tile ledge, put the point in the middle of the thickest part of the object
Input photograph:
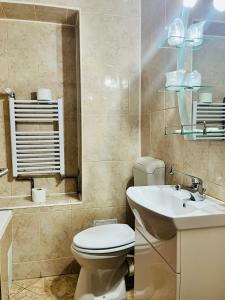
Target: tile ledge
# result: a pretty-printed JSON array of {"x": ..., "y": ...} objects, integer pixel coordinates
[{"x": 7, "y": 203}]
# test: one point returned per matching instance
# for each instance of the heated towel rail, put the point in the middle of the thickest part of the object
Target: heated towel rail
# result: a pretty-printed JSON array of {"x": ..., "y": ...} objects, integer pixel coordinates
[
  {"x": 36, "y": 152},
  {"x": 212, "y": 117}
]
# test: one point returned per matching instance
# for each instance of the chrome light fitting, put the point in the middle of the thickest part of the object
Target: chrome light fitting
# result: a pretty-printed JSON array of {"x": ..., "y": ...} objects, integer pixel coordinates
[
  {"x": 189, "y": 3},
  {"x": 219, "y": 5}
]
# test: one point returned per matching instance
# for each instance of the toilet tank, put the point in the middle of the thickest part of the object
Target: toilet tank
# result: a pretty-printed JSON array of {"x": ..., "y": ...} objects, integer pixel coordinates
[{"x": 149, "y": 171}]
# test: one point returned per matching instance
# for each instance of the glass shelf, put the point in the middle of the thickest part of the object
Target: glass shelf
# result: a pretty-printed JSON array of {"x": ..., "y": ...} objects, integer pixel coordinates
[
  {"x": 187, "y": 43},
  {"x": 202, "y": 130},
  {"x": 179, "y": 88}
]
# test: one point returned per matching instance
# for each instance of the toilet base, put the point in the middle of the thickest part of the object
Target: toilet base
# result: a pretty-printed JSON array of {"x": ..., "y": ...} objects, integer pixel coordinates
[{"x": 94, "y": 286}]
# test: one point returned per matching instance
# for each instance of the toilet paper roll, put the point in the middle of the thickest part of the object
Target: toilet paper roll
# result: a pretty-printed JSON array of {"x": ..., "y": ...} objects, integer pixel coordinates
[
  {"x": 44, "y": 95},
  {"x": 205, "y": 98},
  {"x": 39, "y": 195}
]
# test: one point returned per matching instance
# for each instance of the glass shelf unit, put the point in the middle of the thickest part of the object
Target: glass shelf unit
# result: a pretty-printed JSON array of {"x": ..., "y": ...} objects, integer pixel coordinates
[
  {"x": 201, "y": 130},
  {"x": 179, "y": 88},
  {"x": 187, "y": 43}
]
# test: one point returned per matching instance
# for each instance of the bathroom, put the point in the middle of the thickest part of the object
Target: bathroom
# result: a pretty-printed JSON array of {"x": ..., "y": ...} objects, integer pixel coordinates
[{"x": 89, "y": 77}]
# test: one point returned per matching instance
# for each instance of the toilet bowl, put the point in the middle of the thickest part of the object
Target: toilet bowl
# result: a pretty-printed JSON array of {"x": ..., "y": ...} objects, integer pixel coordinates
[{"x": 101, "y": 252}]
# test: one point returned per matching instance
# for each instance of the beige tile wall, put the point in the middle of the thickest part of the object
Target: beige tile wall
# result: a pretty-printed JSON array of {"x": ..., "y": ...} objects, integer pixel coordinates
[
  {"x": 42, "y": 237},
  {"x": 110, "y": 91},
  {"x": 34, "y": 55},
  {"x": 202, "y": 159}
]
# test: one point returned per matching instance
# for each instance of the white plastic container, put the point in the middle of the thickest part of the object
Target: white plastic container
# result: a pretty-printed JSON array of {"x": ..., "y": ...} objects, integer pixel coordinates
[
  {"x": 193, "y": 79},
  {"x": 149, "y": 171},
  {"x": 176, "y": 33},
  {"x": 195, "y": 34},
  {"x": 174, "y": 79}
]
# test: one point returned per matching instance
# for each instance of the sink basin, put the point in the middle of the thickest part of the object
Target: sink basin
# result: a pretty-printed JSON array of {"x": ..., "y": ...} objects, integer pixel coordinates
[{"x": 162, "y": 210}]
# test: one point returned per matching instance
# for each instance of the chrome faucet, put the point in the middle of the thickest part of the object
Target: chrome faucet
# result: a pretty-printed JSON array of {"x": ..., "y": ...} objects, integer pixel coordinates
[{"x": 196, "y": 185}]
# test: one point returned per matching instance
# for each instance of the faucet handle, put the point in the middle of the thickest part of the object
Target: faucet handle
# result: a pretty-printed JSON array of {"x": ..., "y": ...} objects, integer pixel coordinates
[{"x": 178, "y": 187}]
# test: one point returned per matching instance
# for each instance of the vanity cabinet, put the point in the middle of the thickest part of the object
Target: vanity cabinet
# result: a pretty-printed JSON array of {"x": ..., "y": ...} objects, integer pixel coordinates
[{"x": 191, "y": 266}]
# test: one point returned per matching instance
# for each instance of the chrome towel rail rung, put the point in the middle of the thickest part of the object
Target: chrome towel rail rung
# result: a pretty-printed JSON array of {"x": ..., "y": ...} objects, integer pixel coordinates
[
  {"x": 36, "y": 137},
  {"x": 37, "y": 120},
  {"x": 43, "y": 172},
  {"x": 38, "y": 168},
  {"x": 35, "y": 102},
  {"x": 28, "y": 133},
  {"x": 37, "y": 155},
  {"x": 44, "y": 146},
  {"x": 35, "y": 142},
  {"x": 20, "y": 164},
  {"x": 33, "y": 159}
]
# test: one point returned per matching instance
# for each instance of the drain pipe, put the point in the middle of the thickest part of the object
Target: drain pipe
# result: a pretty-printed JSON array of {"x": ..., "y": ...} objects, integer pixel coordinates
[
  {"x": 31, "y": 179},
  {"x": 130, "y": 265},
  {"x": 127, "y": 269}
]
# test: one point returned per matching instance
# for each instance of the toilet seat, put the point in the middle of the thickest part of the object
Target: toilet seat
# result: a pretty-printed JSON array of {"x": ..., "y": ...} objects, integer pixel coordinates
[
  {"x": 103, "y": 251},
  {"x": 104, "y": 239}
]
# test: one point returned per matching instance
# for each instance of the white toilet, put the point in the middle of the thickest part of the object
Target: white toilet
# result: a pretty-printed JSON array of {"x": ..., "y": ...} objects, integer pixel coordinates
[{"x": 101, "y": 251}]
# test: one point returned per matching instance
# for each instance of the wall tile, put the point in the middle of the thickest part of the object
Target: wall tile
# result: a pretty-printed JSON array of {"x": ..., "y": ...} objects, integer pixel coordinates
[
  {"x": 145, "y": 134},
  {"x": 216, "y": 164},
  {"x": 111, "y": 137},
  {"x": 106, "y": 90},
  {"x": 26, "y": 238},
  {"x": 196, "y": 158},
  {"x": 117, "y": 44},
  {"x": 16, "y": 11},
  {"x": 55, "y": 242},
  {"x": 116, "y": 7},
  {"x": 105, "y": 183},
  {"x": 56, "y": 266},
  {"x": 50, "y": 14},
  {"x": 157, "y": 126},
  {"x": 26, "y": 270},
  {"x": 216, "y": 191},
  {"x": 83, "y": 218}
]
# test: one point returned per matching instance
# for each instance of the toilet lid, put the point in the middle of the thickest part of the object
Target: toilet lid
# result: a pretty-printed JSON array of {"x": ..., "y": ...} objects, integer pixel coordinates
[{"x": 104, "y": 237}]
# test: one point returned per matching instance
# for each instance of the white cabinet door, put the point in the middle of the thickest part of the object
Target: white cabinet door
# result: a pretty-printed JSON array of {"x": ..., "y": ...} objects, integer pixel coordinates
[
  {"x": 154, "y": 278},
  {"x": 203, "y": 264},
  {"x": 169, "y": 250}
]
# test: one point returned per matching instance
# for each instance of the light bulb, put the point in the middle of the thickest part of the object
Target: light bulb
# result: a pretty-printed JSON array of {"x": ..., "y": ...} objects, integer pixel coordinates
[
  {"x": 189, "y": 3},
  {"x": 219, "y": 4}
]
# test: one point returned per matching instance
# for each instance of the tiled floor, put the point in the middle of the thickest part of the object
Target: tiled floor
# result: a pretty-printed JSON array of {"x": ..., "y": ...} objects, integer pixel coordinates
[{"x": 48, "y": 288}]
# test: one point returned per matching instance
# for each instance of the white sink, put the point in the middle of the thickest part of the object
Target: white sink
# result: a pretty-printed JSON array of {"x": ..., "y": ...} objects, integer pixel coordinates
[{"x": 163, "y": 210}]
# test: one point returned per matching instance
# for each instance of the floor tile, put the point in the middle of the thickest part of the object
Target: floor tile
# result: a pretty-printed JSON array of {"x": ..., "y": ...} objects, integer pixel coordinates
[
  {"x": 48, "y": 288},
  {"x": 130, "y": 295},
  {"x": 15, "y": 289},
  {"x": 58, "y": 287},
  {"x": 26, "y": 295},
  {"x": 26, "y": 282}
]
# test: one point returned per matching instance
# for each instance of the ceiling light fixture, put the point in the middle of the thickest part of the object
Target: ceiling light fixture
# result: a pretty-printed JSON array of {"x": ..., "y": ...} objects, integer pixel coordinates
[
  {"x": 219, "y": 5},
  {"x": 189, "y": 3}
]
